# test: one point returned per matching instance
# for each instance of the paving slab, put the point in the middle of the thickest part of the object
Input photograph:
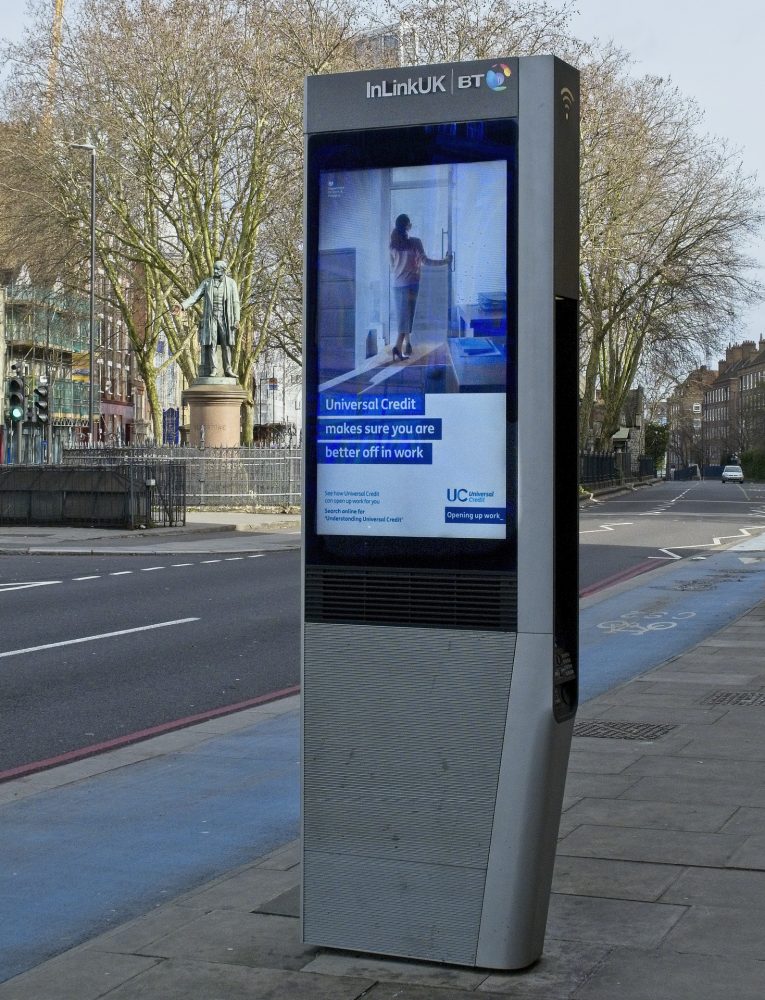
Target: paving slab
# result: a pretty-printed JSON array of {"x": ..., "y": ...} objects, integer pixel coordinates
[
  {"x": 596, "y": 762},
  {"x": 393, "y": 970},
  {"x": 245, "y": 890},
  {"x": 638, "y": 975},
  {"x": 564, "y": 966},
  {"x": 611, "y": 921},
  {"x": 657, "y": 697},
  {"x": 134, "y": 936},
  {"x": 80, "y": 974},
  {"x": 192, "y": 980},
  {"x": 729, "y": 932},
  {"x": 718, "y": 887},
  {"x": 676, "y": 678},
  {"x": 283, "y": 858},
  {"x": 751, "y": 854},
  {"x": 728, "y": 745},
  {"x": 670, "y": 743},
  {"x": 657, "y": 846},
  {"x": 747, "y": 821},
  {"x": 668, "y": 789},
  {"x": 404, "y": 991},
  {"x": 287, "y": 904},
  {"x": 582, "y": 784},
  {"x": 615, "y": 879},
  {"x": 709, "y": 665},
  {"x": 699, "y": 767},
  {"x": 658, "y": 713},
  {"x": 236, "y": 938},
  {"x": 649, "y": 815}
]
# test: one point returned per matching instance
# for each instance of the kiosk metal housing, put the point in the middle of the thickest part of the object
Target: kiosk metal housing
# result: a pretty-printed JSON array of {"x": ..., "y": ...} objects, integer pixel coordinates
[{"x": 439, "y": 635}]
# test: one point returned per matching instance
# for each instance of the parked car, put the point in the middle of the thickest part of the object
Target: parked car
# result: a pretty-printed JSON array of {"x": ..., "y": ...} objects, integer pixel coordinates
[{"x": 733, "y": 474}]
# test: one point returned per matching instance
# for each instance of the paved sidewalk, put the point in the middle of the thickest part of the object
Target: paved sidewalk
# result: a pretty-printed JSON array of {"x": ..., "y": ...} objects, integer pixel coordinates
[
  {"x": 659, "y": 891},
  {"x": 204, "y": 531}
]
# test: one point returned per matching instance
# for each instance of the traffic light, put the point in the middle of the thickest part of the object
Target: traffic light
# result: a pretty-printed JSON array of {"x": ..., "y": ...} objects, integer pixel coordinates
[
  {"x": 16, "y": 398},
  {"x": 41, "y": 400}
]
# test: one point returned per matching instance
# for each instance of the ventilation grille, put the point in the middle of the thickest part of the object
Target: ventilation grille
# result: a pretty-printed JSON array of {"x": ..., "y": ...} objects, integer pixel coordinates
[
  {"x": 425, "y": 598},
  {"x": 748, "y": 698},
  {"x": 621, "y": 730}
]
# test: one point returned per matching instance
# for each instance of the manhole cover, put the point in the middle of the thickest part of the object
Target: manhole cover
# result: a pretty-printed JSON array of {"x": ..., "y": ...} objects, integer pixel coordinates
[
  {"x": 621, "y": 730},
  {"x": 756, "y": 698}
]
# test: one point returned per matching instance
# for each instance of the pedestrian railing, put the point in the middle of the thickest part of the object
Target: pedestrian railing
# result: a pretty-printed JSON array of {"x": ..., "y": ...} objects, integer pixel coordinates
[
  {"x": 216, "y": 478},
  {"x": 131, "y": 495}
]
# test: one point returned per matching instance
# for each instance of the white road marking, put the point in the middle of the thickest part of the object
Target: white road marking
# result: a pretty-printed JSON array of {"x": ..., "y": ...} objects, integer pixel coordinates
[
  {"x": 234, "y": 558},
  {"x": 122, "y": 572},
  {"x": 5, "y": 587},
  {"x": 206, "y": 562},
  {"x": 604, "y": 527},
  {"x": 715, "y": 543},
  {"x": 93, "y": 638},
  {"x": 150, "y": 569},
  {"x": 176, "y": 565},
  {"x": 258, "y": 556},
  {"x": 98, "y": 577},
  {"x": 629, "y": 623}
]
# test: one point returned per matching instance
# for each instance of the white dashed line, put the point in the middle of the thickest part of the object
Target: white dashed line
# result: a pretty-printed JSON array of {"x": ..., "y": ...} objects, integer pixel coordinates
[
  {"x": 152, "y": 569},
  {"x": 93, "y": 638}
]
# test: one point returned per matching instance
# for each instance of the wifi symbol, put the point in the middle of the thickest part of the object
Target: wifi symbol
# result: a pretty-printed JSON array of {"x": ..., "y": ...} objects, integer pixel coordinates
[{"x": 568, "y": 101}]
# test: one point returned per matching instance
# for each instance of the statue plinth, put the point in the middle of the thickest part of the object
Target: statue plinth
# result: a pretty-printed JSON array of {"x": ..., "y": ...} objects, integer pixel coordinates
[{"x": 215, "y": 404}]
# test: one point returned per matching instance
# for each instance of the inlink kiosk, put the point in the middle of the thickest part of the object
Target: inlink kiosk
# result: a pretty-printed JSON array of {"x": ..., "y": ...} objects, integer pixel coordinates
[{"x": 440, "y": 505}]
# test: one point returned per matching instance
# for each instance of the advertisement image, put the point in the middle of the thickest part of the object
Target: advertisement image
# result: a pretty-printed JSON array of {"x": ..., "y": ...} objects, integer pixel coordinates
[{"x": 412, "y": 340}]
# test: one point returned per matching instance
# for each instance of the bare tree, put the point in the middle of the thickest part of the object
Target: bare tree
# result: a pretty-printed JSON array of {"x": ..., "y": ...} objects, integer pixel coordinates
[
  {"x": 195, "y": 112},
  {"x": 195, "y": 107},
  {"x": 665, "y": 213}
]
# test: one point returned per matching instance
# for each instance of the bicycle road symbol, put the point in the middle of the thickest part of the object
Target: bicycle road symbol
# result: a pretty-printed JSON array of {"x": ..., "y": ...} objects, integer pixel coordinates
[{"x": 638, "y": 623}]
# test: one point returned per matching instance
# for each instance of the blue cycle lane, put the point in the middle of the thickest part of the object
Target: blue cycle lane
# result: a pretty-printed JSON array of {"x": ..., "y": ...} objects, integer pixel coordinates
[
  {"x": 82, "y": 857},
  {"x": 632, "y": 630}
]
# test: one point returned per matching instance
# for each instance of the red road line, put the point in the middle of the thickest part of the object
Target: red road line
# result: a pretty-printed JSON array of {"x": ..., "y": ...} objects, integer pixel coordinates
[
  {"x": 625, "y": 574},
  {"x": 143, "y": 734}
]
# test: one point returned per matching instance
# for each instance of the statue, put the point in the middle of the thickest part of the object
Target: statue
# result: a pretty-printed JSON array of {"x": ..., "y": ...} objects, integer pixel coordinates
[{"x": 220, "y": 318}]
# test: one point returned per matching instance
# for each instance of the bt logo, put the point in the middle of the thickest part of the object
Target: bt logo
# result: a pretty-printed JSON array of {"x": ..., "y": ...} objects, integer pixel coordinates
[
  {"x": 495, "y": 79},
  {"x": 497, "y": 76}
]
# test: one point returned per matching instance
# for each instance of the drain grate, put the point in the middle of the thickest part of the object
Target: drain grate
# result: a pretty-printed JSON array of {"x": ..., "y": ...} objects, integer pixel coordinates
[
  {"x": 756, "y": 698},
  {"x": 600, "y": 730}
]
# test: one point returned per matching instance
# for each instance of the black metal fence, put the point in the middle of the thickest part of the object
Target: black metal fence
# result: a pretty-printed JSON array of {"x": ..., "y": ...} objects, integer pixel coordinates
[
  {"x": 611, "y": 468},
  {"x": 215, "y": 477},
  {"x": 120, "y": 496}
]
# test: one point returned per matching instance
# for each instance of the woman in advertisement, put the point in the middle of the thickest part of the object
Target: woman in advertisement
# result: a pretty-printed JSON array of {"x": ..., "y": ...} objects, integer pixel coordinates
[{"x": 407, "y": 255}]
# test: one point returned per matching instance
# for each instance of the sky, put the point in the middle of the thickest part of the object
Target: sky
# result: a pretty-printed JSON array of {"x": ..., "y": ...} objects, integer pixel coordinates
[{"x": 711, "y": 52}]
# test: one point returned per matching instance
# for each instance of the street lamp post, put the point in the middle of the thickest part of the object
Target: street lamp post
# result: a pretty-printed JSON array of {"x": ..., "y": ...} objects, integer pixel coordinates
[{"x": 91, "y": 339}]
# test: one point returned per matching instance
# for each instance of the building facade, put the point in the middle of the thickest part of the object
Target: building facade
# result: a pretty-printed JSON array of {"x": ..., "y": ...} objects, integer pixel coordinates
[
  {"x": 685, "y": 419},
  {"x": 733, "y": 408},
  {"x": 45, "y": 340}
]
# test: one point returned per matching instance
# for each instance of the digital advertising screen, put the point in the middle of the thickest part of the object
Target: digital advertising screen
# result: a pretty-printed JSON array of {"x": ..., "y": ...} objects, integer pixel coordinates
[{"x": 412, "y": 324}]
